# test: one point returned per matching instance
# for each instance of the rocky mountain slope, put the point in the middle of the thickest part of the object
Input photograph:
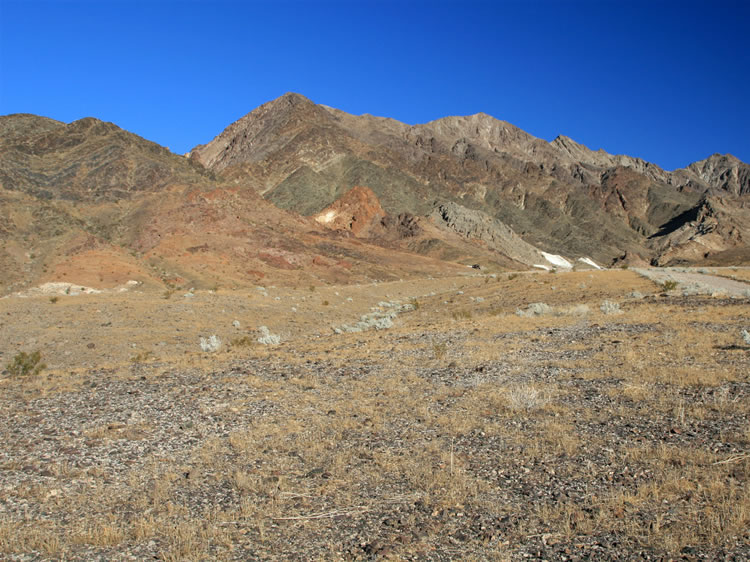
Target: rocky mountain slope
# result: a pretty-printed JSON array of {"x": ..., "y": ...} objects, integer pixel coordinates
[
  {"x": 271, "y": 199},
  {"x": 559, "y": 195},
  {"x": 86, "y": 160},
  {"x": 91, "y": 204}
]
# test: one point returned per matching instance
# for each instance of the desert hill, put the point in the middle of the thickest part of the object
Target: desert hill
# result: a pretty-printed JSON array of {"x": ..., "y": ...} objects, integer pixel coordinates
[
  {"x": 91, "y": 203},
  {"x": 559, "y": 195}
]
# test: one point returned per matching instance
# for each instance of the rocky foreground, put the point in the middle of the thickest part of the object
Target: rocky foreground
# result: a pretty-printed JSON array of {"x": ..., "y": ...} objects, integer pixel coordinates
[{"x": 570, "y": 416}]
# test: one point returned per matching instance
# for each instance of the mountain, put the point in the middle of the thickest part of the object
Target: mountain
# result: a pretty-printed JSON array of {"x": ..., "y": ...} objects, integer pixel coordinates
[
  {"x": 559, "y": 196},
  {"x": 296, "y": 192},
  {"x": 92, "y": 204},
  {"x": 86, "y": 160}
]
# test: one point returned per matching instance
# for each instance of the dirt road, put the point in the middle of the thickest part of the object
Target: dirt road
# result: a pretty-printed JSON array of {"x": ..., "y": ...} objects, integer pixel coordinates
[{"x": 694, "y": 282}]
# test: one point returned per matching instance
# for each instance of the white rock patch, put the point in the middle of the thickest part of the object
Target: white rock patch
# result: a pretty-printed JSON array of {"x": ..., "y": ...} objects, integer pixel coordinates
[
  {"x": 328, "y": 217},
  {"x": 558, "y": 261},
  {"x": 590, "y": 262}
]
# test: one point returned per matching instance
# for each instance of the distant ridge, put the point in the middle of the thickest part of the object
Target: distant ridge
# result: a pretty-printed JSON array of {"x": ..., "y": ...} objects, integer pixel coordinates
[
  {"x": 91, "y": 203},
  {"x": 559, "y": 196}
]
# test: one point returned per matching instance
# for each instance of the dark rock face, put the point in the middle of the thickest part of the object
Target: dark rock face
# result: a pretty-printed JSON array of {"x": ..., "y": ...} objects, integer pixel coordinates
[{"x": 404, "y": 225}]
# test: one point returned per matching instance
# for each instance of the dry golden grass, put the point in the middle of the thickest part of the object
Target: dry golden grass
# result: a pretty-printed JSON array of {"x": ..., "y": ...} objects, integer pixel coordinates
[{"x": 328, "y": 431}]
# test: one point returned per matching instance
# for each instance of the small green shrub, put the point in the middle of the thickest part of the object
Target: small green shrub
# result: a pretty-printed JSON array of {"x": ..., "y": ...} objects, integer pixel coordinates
[
  {"x": 244, "y": 341},
  {"x": 512, "y": 276},
  {"x": 669, "y": 285},
  {"x": 461, "y": 315},
  {"x": 53, "y": 300},
  {"x": 142, "y": 357},
  {"x": 325, "y": 303},
  {"x": 26, "y": 364}
]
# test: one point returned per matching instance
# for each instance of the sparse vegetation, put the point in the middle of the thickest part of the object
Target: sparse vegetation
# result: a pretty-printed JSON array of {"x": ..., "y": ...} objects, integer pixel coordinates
[
  {"x": 526, "y": 397},
  {"x": 535, "y": 309},
  {"x": 267, "y": 338},
  {"x": 463, "y": 314},
  {"x": 244, "y": 341},
  {"x": 54, "y": 299},
  {"x": 26, "y": 364},
  {"x": 142, "y": 357},
  {"x": 669, "y": 285},
  {"x": 512, "y": 436},
  {"x": 211, "y": 344},
  {"x": 610, "y": 307}
]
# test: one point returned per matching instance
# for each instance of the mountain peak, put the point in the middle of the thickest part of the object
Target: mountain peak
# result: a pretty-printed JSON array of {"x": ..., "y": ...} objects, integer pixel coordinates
[
  {"x": 293, "y": 97},
  {"x": 284, "y": 102}
]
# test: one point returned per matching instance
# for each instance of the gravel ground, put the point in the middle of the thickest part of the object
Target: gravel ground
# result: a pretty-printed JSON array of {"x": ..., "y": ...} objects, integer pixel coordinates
[{"x": 597, "y": 437}]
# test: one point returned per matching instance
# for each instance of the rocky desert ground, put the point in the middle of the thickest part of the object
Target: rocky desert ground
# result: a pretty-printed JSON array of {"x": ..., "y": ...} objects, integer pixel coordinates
[{"x": 590, "y": 415}]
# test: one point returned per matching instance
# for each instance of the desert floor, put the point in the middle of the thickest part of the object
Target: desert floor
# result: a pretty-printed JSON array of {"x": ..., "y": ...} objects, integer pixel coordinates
[{"x": 610, "y": 422}]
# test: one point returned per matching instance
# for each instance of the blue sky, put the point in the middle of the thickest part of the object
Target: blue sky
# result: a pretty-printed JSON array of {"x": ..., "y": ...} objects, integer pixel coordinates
[{"x": 666, "y": 81}]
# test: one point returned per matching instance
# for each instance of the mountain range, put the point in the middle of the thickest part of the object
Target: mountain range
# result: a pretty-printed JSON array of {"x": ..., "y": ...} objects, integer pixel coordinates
[{"x": 296, "y": 192}]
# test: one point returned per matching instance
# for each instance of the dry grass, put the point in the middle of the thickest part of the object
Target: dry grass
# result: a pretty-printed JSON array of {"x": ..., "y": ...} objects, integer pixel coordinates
[{"x": 638, "y": 422}]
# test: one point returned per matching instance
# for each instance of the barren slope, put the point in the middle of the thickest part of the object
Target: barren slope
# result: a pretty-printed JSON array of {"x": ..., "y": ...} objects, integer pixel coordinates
[{"x": 559, "y": 196}]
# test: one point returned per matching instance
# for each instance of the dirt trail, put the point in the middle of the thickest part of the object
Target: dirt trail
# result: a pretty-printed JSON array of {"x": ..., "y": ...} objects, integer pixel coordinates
[{"x": 694, "y": 282}]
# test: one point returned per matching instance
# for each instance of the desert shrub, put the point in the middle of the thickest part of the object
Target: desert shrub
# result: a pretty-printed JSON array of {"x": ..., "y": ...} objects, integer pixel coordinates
[
  {"x": 669, "y": 285},
  {"x": 439, "y": 349},
  {"x": 141, "y": 357},
  {"x": 609, "y": 307},
  {"x": 512, "y": 276},
  {"x": 535, "y": 309},
  {"x": 26, "y": 364},
  {"x": 210, "y": 344},
  {"x": 526, "y": 397},
  {"x": 244, "y": 341},
  {"x": 325, "y": 303},
  {"x": 461, "y": 315},
  {"x": 53, "y": 300},
  {"x": 543, "y": 309},
  {"x": 267, "y": 338}
]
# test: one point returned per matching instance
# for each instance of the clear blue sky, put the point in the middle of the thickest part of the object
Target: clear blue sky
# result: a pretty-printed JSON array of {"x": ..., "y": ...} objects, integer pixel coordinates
[{"x": 666, "y": 81}]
